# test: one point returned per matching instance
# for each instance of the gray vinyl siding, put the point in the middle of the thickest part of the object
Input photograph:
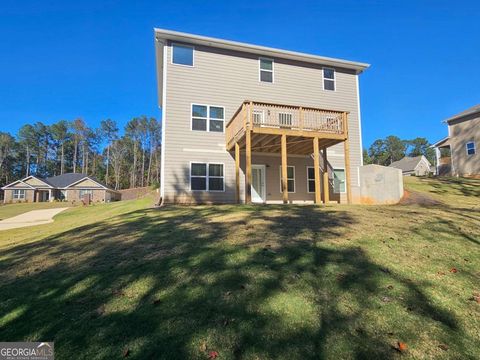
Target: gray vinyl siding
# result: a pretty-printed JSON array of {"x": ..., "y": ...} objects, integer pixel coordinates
[
  {"x": 461, "y": 132},
  {"x": 227, "y": 78}
]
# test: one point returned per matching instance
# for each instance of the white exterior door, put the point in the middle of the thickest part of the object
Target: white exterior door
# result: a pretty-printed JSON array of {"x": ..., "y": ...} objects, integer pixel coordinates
[{"x": 258, "y": 184}]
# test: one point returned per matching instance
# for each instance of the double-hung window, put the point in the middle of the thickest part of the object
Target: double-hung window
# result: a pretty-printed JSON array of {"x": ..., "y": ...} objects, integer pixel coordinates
[
  {"x": 471, "y": 150},
  {"x": 310, "y": 179},
  {"x": 208, "y": 118},
  {"x": 182, "y": 55},
  {"x": 207, "y": 177},
  {"x": 339, "y": 181},
  {"x": 266, "y": 70},
  {"x": 84, "y": 192},
  {"x": 329, "y": 79},
  {"x": 18, "y": 194},
  {"x": 290, "y": 179}
]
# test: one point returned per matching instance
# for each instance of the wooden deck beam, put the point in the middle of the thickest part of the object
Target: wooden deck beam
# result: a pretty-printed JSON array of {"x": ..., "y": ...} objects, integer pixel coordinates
[
  {"x": 347, "y": 161},
  {"x": 326, "y": 186},
  {"x": 316, "y": 170},
  {"x": 237, "y": 173},
  {"x": 284, "y": 169}
]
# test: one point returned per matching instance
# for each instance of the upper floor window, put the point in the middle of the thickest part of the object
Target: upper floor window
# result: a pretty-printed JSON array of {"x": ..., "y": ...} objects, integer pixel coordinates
[
  {"x": 471, "y": 148},
  {"x": 328, "y": 79},
  {"x": 182, "y": 55},
  {"x": 266, "y": 70},
  {"x": 208, "y": 118}
]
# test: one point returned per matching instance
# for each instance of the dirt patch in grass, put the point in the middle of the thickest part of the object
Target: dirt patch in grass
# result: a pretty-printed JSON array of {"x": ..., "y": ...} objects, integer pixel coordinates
[{"x": 417, "y": 198}]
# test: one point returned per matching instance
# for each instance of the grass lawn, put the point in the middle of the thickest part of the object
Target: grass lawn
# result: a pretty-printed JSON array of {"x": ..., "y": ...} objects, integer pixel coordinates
[
  {"x": 125, "y": 280},
  {"x": 10, "y": 210}
]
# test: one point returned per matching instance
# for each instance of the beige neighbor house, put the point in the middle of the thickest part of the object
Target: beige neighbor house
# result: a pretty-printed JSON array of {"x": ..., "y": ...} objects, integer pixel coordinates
[
  {"x": 457, "y": 154},
  {"x": 247, "y": 123},
  {"x": 66, "y": 187},
  {"x": 417, "y": 166}
]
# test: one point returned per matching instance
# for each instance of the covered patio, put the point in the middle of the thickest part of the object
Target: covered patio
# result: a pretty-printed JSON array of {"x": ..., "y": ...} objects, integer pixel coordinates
[{"x": 286, "y": 130}]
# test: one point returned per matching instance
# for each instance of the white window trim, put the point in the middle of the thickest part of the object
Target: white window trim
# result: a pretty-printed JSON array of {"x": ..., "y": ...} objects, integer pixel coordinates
[
  {"x": 474, "y": 148},
  {"x": 294, "y": 181},
  {"x": 333, "y": 180},
  {"x": 18, "y": 197},
  {"x": 207, "y": 176},
  {"x": 260, "y": 70},
  {"x": 262, "y": 115},
  {"x": 88, "y": 191},
  {"x": 334, "y": 79},
  {"x": 208, "y": 118},
  {"x": 183, "y": 45}
]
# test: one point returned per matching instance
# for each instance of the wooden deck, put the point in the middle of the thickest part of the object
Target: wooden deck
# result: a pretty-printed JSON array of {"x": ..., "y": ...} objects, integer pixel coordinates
[{"x": 286, "y": 129}]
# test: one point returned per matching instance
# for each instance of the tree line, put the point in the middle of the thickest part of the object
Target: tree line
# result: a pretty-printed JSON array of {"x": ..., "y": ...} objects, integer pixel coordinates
[
  {"x": 392, "y": 148},
  {"x": 120, "y": 161}
]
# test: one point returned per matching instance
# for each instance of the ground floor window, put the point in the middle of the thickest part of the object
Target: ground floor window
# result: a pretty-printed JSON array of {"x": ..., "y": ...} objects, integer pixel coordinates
[
  {"x": 311, "y": 179},
  {"x": 339, "y": 181},
  {"x": 207, "y": 177},
  {"x": 18, "y": 194},
  {"x": 82, "y": 193},
  {"x": 290, "y": 179}
]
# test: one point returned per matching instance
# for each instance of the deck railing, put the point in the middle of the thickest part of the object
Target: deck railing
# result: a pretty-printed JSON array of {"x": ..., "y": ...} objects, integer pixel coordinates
[{"x": 259, "y": 114}]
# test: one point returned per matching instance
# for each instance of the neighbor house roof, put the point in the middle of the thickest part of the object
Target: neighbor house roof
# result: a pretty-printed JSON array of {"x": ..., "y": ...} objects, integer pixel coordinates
[
  {"x": 471, "y": 111},
  {"x": 65, "y": 180},
  {"x": 408, "y": 163},
  {"x": 162, "y": 35},
  {"x": 442, "y": 143},
  {"x": 61, "y": 181}
]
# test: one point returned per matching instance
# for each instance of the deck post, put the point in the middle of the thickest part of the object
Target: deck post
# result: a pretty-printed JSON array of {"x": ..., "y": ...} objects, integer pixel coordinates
[
  {"x": 284, "y": 169},
  {"x": 248, "y": 157},
  {"x": 347, "y": 160},
  {"x": 326, "y": 188},
  {"x": 316, "y": 170},
  {"x": 237, "y": 173}
]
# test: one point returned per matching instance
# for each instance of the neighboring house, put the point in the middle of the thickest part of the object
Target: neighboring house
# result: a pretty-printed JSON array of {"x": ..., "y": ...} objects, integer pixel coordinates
[
  {"x": 247, "y": 123},
  {"x": 68, "y": 187},
  {"x": 418, "y": 166},
  {"x": 457, "y": 154}
]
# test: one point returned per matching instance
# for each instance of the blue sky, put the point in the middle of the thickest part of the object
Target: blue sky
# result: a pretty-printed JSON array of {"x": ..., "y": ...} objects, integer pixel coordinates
[{"x": 95, "y": 59}]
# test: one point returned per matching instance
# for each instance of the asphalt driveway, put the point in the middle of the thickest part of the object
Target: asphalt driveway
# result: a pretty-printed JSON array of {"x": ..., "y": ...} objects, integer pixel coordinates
[{"x": 30, "y": 218}]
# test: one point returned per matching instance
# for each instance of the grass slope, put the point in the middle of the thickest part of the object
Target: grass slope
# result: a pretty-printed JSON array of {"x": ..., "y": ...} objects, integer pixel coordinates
[{"x": 250, "y": 282}]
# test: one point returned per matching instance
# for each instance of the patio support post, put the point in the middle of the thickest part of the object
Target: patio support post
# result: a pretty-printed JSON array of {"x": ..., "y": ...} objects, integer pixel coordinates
[
  {"x": 316, "y": 167},
  {"x": 248, "y": 157},
  {"x": 237, "y": 173},
  {"x": 326, "y": 189},
  {"x": 347, "y": 160},
  {"x": 284, "y": 169}
]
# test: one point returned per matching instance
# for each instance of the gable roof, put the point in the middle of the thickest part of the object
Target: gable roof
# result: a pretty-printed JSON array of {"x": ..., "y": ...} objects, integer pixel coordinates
[
  {"x": 68, "y": 179},
  {"x": 163, "y": 35},
  {"x": 408, "y": 163},
  {"x": 470, "y": 111},
  {"x": 60, "y": 181},
  {"x": 64, "y": 180}
]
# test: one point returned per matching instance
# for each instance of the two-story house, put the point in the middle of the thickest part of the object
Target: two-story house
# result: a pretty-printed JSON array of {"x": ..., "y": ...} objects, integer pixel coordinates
[
  {"x": 457, "y": 154},
  {"x": 247, "y": 123}
]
